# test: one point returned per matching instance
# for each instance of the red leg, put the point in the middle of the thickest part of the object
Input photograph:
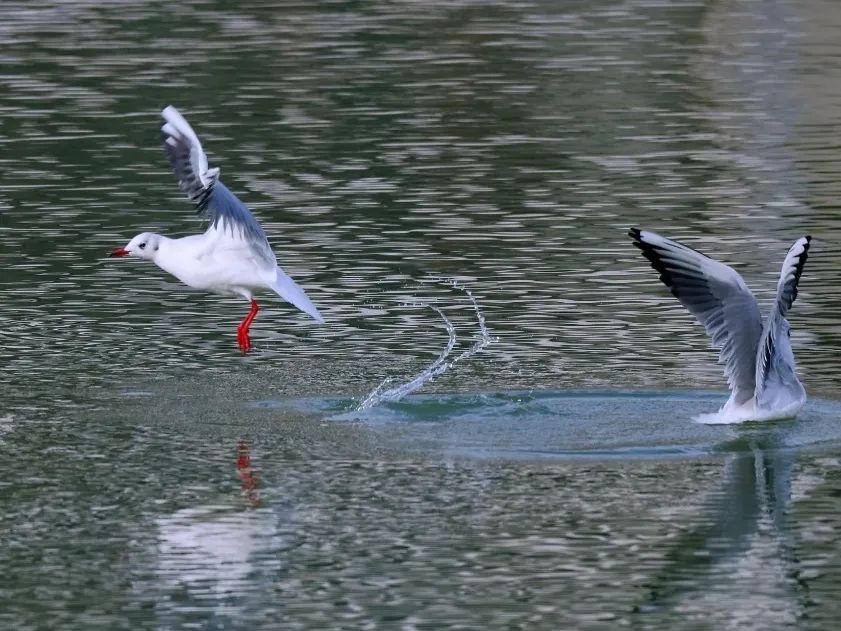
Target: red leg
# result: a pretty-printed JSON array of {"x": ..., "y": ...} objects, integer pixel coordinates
[{"x": 243, "y": 339}]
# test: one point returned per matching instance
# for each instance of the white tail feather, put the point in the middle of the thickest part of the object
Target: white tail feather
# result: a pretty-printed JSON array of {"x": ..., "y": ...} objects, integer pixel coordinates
[{"x": 291, "y": 292}]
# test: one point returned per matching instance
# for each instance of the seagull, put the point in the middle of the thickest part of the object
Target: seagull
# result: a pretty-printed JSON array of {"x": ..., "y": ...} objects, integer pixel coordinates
[
  {"x": 758, "y": 359},
  {"x": 233, "y": 257}
]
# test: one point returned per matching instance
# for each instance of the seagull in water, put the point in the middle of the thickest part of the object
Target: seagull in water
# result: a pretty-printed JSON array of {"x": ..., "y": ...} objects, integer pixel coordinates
[
  {"x": 233, "y": 257},
  {"x": 759, "y": 362}
]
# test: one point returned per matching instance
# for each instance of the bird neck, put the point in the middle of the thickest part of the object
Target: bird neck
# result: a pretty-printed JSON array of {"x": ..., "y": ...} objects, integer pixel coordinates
[
  {"x": 181, "y": 258},
  {"x": 163, "y": 256}
]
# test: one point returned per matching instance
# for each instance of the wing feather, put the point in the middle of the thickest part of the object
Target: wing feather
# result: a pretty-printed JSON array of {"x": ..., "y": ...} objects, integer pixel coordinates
[
  {"x": 718, "y": 297},
  {"x": 213, "y": 200},
  {"x": 776, "y": 324}
]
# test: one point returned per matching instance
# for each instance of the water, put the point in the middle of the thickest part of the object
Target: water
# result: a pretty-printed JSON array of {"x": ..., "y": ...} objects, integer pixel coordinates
[
  {"x": 154, "y": 478},
  {"x": 381, "y": 394}
]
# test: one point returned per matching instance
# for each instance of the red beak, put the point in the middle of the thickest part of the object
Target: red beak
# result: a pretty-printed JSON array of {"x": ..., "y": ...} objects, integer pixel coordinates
[{"x": 119, "y": 252}]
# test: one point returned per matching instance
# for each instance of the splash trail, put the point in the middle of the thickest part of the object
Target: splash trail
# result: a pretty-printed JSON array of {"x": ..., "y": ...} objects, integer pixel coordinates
[{"x": 381, "y": 395}]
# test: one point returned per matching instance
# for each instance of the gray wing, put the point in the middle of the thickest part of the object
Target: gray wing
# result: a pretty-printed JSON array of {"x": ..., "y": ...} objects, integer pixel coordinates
[
  {"x": 224, "y": 211},
  {"x": 790, "y": 274},
  {"x": 715, "y": 294},
  {"x": 776, "y": 324}
]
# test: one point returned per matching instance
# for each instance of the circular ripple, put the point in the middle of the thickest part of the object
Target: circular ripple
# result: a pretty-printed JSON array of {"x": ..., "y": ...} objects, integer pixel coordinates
[{"x": 573, "y": 424}]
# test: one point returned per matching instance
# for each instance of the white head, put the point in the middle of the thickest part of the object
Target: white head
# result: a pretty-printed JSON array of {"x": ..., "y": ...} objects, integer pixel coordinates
[{"x": 144, "y": 246}]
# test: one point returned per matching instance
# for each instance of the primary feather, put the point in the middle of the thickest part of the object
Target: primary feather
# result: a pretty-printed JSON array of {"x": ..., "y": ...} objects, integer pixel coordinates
[{"x": 715, "y": 294}]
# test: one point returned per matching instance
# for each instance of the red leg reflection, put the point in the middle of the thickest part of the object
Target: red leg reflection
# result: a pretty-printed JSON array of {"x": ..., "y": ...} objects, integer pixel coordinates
[{"x": 246, "y": 473}]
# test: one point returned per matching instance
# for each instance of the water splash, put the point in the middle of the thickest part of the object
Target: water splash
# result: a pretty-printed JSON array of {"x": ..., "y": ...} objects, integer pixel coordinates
[
  {"x": 485, "y": 337},
  {"x": 440, "y": 365}
]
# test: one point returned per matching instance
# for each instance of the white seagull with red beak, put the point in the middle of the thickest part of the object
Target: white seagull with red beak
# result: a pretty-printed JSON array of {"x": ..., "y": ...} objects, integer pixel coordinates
[{"x": 233, "y": 257}]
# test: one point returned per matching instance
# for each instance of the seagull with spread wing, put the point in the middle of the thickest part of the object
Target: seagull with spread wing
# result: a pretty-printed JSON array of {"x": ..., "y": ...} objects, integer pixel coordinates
[
  {"x": 233, "y": 257},
  {"x": 757, "y": 355}
]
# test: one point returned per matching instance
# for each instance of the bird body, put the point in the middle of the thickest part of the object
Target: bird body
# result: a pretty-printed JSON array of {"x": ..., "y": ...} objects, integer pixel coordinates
[
  {"x": 758, "y": 358},
  {"x": 233, "y": 256}
]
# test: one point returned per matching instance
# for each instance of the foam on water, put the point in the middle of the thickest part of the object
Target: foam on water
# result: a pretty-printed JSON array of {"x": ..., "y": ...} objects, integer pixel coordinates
[{"x": 746, "y": 414}]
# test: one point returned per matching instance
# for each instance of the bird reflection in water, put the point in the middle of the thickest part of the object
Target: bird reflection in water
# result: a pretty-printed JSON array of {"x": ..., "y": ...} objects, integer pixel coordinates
[
  {"x": 745, "y": 532},
  {"x": 247, "y": 476}
]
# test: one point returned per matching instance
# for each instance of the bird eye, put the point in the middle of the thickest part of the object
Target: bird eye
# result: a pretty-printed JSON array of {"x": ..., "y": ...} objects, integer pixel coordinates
[{"x": 142, "y": 246}]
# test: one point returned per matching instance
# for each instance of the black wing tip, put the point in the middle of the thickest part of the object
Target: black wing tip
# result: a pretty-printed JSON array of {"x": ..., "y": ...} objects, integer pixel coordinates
[
  {"x": 798, "y": 268},
  {"x": 636, "y": 235},
  {"x": 653, "y": 256},
  {"x": 801, "y": 258}
]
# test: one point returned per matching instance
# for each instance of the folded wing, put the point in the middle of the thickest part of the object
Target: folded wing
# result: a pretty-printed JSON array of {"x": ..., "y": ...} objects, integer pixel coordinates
[{"x": 718, "y": 297}]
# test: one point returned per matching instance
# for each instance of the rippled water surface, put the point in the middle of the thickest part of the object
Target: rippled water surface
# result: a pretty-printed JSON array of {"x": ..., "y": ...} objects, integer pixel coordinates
[{"x": 152, "y": 477}]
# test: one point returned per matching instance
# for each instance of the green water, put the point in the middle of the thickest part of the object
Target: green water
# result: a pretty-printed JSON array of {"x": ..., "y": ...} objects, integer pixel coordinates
[{"x": 151, "y": 477}]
